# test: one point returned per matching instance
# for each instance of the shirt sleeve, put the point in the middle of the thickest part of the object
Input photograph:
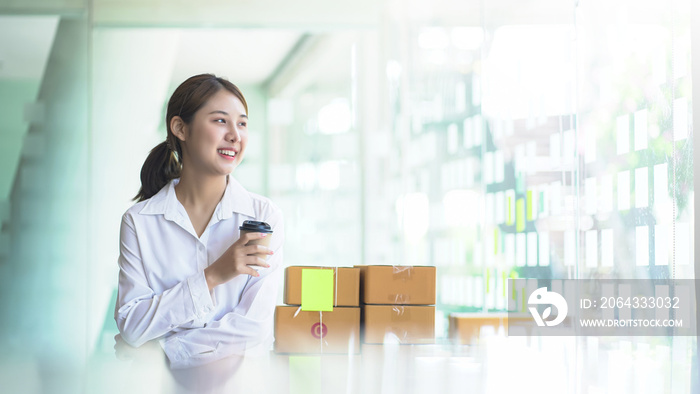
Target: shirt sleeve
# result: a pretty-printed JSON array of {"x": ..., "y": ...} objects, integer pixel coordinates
[
  {"x": 140, "y": 313},
  {"x": 249, "y": 326}
]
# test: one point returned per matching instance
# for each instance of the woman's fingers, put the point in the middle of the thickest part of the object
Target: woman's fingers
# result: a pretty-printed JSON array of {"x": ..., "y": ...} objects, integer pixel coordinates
[
  {"x": 247, "y": 237},
  {"x": 250, "y": 271},
  {"x": 256, "y": 249},
  {"x": 260, "y": 263},
  {"x": 244, "y": 257},
  {"x": 256, "y": 261}
]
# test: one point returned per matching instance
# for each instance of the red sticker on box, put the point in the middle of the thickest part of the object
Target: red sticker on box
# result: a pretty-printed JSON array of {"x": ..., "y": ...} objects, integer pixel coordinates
[{"x": 319, "y": 330}]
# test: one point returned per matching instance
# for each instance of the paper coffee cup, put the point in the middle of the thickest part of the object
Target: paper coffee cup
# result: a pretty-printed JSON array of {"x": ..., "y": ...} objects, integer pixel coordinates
[{"x": 252, "y": 226}]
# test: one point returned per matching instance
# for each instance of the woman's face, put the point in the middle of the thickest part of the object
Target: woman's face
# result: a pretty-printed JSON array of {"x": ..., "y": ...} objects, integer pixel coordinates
[{"x": 214, "y": 142}]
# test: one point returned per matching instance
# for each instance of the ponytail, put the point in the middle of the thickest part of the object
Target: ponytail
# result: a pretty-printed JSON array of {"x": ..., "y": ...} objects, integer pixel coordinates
[{"x": 161, "y": 166}]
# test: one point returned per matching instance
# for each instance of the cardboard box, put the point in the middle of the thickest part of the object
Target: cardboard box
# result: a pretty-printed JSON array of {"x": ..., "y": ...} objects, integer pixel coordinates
[
  {"x": 466, "y": 328},
  {"x": 409, "y": 324},
  {"x": 305, "y": 332},
  {"x": 397, "y": 285},
  {"x": 346, "y": 285}
]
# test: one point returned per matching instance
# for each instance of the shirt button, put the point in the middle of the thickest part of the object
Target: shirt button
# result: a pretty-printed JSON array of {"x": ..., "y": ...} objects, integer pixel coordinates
[{"x": 201, "y": 248}]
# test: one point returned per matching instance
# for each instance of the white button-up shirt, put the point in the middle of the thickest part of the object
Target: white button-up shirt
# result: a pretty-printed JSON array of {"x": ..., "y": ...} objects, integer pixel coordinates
[{"x": 163, "y": 294}]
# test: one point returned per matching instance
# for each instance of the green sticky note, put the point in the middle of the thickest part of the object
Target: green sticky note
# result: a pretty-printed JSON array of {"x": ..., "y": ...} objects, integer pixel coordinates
[
  {"x": 529, "y": 205},
  {"x": 520, "y": 215},
  {"x": 317, "y": 290}
]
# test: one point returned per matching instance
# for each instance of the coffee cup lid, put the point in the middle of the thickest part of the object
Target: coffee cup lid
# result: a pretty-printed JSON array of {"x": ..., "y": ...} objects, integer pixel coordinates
[{"x": 255, "y": 226}]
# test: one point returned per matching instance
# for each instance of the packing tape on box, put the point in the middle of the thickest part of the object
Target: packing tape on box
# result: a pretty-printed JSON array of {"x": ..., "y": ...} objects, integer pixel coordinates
[
  {"x": 400, "y": 313},
  {"x": 402, "y": 272},
  {"x": 336, "y": 273},
  {"x": 401, "y": 299},
  {"x": 335, "y": 296},
  {"x": 320, "y": 327},
  {"x": 315, "y": 294}
]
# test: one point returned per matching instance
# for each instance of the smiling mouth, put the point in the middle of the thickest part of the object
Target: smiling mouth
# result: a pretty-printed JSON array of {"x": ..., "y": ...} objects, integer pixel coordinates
[{"x": 225, "y": 152}]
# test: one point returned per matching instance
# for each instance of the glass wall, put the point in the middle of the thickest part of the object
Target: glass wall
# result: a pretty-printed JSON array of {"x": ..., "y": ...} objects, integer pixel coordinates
[
  {"x": 555, "y": 146},
  {"x": 314, "y": 159}
]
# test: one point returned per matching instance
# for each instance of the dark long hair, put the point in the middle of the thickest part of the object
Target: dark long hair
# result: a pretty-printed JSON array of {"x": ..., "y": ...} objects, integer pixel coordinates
[{"x": 164, "y": 163}]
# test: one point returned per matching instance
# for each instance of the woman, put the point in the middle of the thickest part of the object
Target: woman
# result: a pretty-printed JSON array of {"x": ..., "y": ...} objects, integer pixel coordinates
[{"x": 187, "y": 279}]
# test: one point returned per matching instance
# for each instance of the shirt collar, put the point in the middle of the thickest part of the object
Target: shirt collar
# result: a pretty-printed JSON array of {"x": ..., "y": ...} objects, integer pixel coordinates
[{"x": 236, "y": 199}]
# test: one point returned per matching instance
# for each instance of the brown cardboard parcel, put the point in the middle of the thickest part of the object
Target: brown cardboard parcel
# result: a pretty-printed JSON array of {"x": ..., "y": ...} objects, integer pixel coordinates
[
  {"x": 410, "y": 324},
  {"x": 465, "y": 328},
  {"x": 317, "y": 332},
  {"x": 347, "y": 279},
  {"x": 404, "y": 285}
]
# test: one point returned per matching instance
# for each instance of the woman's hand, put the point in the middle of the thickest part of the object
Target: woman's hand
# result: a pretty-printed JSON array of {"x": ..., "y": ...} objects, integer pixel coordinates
[{"x": 237, "y": 260}]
